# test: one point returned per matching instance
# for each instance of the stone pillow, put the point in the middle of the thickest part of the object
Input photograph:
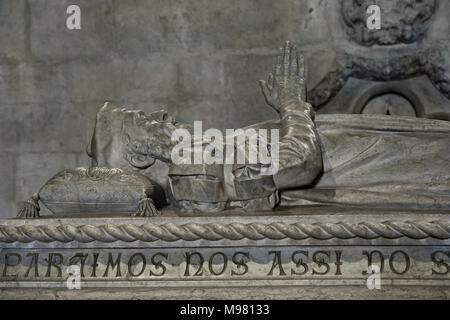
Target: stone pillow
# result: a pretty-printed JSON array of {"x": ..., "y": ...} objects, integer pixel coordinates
[{"x": 97, "y": 190}]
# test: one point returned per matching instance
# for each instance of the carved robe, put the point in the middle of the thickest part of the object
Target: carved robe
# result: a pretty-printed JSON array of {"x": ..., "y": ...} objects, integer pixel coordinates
[
  {"x": 249, "y": 186},
  {"x": 380, "y": 161}
]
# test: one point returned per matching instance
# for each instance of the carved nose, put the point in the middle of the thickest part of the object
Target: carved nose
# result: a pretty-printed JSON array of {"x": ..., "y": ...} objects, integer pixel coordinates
[{"x": 165, "y": 117}]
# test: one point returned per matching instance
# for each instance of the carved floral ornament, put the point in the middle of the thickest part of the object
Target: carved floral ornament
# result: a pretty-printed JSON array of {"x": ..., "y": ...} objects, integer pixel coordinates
[{"x": 403, "y": 21}]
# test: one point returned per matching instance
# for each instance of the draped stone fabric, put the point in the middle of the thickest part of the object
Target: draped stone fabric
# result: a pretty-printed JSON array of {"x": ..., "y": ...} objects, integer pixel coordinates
[
  {"x": 380, "y": 161},
  {"x": 207, "y": 188}
]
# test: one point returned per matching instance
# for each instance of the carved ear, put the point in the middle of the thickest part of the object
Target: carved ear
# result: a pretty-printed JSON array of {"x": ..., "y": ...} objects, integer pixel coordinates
[{"x": 140, "y": 161}]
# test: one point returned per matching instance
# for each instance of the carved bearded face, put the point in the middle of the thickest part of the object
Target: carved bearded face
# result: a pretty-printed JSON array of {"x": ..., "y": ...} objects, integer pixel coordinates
[{"x": 131, "y": 137}]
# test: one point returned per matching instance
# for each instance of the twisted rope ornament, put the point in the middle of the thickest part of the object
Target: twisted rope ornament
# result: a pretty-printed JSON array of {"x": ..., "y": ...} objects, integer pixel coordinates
[{"x": 171, "y": 232}]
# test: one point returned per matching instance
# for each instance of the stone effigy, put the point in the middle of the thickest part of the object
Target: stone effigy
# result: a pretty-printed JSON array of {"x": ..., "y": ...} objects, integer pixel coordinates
[
  {"x": 358, "y": 160},
  {"x": 356, "y": 200}
]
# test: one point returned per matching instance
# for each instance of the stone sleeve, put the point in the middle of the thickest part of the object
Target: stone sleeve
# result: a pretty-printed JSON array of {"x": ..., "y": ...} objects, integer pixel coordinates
[{"x": 300, "y": 158}]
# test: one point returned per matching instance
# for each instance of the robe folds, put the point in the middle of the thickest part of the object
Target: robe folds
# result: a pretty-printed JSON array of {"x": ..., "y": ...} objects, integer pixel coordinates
[{"x": 380, "y": 161}]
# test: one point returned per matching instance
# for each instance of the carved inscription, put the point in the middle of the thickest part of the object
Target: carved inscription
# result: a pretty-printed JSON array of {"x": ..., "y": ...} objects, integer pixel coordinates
[{"x": 224, "y": 263}]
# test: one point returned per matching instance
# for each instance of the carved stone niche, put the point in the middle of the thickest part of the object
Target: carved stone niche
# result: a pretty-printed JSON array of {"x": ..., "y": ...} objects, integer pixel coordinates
[{"x": 402, "y": 21}]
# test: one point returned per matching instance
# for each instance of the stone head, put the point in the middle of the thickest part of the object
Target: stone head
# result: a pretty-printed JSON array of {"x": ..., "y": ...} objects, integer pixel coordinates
[{"x": 124, "y": 138}]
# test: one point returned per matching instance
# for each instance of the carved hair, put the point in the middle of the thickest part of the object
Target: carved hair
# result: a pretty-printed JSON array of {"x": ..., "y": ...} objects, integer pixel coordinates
[{"x": 141, "y": 152}]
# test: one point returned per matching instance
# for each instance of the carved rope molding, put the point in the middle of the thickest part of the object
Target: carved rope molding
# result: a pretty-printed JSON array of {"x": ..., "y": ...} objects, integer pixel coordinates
[{"x": 218, "y": 231}]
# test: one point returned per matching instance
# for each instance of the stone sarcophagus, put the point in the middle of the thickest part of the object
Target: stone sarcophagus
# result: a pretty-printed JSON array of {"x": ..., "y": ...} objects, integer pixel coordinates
[
  {"x": 353, "y": 202},
  {"x": 323, "y": 247}
]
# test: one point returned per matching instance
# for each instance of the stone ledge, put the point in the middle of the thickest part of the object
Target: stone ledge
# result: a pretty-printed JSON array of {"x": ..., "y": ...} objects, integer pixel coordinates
[
  {"x": 319, "y": 223},
  {"x": 291, "y": 247},
  {"x": 214, "y": 231},
  {"x": 243, "y": 293}
]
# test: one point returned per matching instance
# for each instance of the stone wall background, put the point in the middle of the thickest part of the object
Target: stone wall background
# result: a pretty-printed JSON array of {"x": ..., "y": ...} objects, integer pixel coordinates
[{"x": 200, "y": 59}]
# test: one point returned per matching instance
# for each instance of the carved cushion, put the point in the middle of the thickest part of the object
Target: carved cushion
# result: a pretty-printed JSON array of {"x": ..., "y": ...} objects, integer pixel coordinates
[{"x": 98, "y": 190}]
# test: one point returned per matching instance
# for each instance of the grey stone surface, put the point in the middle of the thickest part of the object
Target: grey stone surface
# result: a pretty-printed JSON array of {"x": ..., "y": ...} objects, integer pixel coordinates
[
  {"x": 14, "y": 30},
  {"x": 253, "y": 293},
  {"x": 201, "y": 60},
  {"x": 439, "y": 31},
  {"x": 142, "y": 54},
  {"x": 196, "y": 26},
  {"x": 151, "y": 53},
  {"x": 292, "y": 252},
  {"x": 49, "y": 37},
  {"x": 402, "y": 21},
  {"x": 7, "y": 190},
  {"x": 34, "y": 169}
]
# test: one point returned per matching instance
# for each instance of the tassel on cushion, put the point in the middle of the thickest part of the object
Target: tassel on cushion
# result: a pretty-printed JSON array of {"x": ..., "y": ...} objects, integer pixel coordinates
[
  {"x": 146, "y": 207},
  {"x": 30, "y": 209}
]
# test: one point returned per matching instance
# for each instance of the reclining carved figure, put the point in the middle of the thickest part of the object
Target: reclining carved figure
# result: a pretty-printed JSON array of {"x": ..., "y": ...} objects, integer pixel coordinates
[{"x": 357, "y": 160}]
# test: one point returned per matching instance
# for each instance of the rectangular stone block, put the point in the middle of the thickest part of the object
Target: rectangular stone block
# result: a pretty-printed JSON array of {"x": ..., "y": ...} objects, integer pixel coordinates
[
  {"x": 89, "y": 80},
  {"x": 208, "y": 26},
  {"x": 149, "y": 78},
  {"x": 13, "y": 29},
  {"x": 201, "y": 76},
  {"x": 41, "y": 81},
  {"x": 244, "y": 96},
  {"x": 51, "y": 39},
  {"x": 145, "y": 27},
  {"x": 321, "y": 246},
  {"x": 212, "y": 111},
  {"x": 34, "y": 81},
  {"x": 255, "y": 24},
  {"x": 7, "y": 188},
  {"x": 131, "y": 79},
  {"x": 9, "y": 131},
  {"x": 45, "y": 127},
  {"x": 10, "y": 81}
]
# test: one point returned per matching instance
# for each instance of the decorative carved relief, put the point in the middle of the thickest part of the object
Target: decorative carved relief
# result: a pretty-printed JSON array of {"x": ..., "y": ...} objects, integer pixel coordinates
[
  {"x": 430, "y": 62},
  {"x": 403, "y": 21}
]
